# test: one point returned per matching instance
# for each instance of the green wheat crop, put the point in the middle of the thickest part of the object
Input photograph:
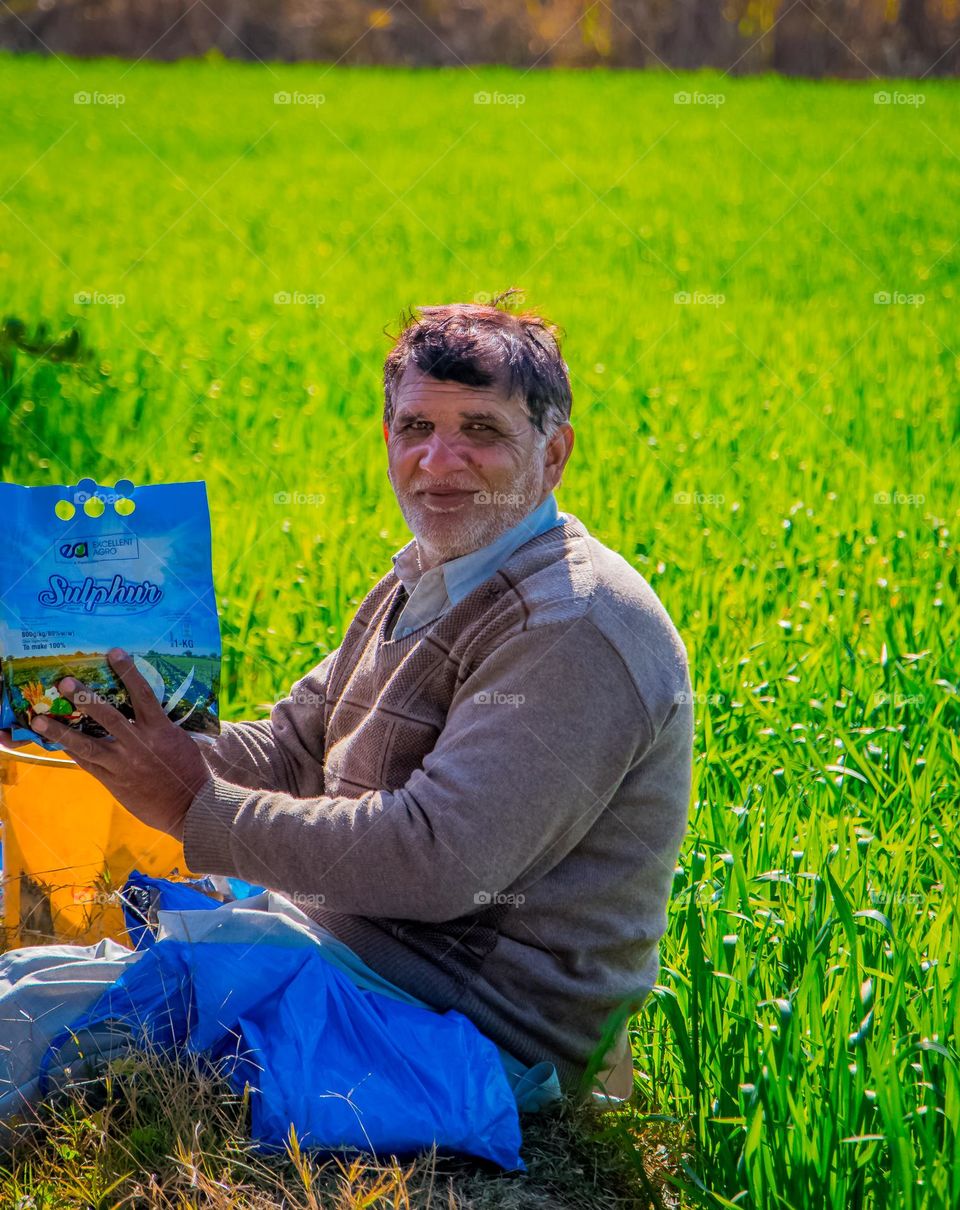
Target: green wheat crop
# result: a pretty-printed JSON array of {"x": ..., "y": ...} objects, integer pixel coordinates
[{"x": 758, "y": 432}]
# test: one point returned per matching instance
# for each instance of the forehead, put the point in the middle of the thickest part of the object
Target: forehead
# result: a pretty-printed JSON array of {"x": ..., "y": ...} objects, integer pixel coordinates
[{"x": 421, "y": 393}]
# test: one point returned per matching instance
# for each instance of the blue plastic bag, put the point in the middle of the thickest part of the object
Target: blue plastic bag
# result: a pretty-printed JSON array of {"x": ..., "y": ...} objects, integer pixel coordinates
[
  {"x": 349, "y": 1068},
  {"x": 142, "y": 897},
  {"x": 89, "y": 567}
]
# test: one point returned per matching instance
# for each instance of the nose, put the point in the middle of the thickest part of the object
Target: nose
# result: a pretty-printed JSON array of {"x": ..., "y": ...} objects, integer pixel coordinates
[{"x": 441, "y": 455}]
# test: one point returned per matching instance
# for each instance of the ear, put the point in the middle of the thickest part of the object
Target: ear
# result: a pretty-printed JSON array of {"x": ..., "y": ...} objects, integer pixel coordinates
[
  {"x": 386, "y": 432},
  {"x": 559, "y": 449}
]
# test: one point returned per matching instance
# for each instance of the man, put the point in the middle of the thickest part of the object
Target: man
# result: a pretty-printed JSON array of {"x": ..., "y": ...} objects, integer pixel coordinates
[{"x": 483, "y": 790}]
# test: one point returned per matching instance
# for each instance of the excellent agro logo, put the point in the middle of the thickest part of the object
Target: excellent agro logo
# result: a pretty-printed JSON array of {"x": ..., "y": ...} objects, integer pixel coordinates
[{"x": 103, "y": 546}]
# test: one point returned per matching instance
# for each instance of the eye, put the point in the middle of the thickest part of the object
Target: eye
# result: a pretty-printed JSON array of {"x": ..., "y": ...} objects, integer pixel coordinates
[{"x": 478, "y": 425}]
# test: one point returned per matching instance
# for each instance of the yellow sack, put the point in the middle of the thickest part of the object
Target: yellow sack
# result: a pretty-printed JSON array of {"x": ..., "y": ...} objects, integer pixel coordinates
[{"x": 68, "y": 846}]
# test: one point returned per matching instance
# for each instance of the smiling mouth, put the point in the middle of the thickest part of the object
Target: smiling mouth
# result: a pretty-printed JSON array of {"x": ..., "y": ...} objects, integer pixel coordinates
[{"x": 446, "y": 499}]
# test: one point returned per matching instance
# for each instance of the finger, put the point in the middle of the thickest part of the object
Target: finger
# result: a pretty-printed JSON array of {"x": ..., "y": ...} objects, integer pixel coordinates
[
  {"x": 93, "y": 705},
  {"x": 145, "y": 704},
  {"x": 83, "y": 748}
]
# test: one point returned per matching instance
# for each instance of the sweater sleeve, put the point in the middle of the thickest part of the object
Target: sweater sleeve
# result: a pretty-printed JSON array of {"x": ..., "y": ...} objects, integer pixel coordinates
[
  {"x": 535, "y": 744},
  {"x": 283, "y": 752}
]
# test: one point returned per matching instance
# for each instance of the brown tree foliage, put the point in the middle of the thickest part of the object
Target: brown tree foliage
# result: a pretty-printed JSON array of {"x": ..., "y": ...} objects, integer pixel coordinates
[{"x": 853, "y": 38}]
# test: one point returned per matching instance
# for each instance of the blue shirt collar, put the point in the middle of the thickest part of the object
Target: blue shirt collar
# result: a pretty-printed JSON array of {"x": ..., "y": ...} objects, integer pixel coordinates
[{"x": 463, "y": 574}]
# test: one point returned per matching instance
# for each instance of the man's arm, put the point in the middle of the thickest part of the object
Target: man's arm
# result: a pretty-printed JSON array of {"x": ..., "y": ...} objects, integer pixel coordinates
[
  {"x": 283, "y": 752},
  {"x": 535, "y": 743}
]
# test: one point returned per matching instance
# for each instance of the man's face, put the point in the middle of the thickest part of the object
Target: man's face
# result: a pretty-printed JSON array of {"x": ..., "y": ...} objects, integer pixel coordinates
[{"x": 466, "y": 463}]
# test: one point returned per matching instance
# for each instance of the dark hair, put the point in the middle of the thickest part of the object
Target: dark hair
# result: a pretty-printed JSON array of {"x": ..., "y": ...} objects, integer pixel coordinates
[{"x": 482, "y": 343}]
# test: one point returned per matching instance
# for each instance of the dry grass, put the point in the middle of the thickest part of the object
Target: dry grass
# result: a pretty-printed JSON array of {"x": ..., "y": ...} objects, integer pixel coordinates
[{"x": 152, "y": 1133}]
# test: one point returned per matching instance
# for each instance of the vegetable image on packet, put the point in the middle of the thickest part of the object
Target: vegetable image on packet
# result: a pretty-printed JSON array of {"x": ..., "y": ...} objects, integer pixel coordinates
[{"x": 87, "y": 568}]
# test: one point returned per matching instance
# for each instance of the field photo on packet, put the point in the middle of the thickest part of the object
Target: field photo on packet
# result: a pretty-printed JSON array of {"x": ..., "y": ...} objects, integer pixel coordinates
[{"x": 90, "y": 567}]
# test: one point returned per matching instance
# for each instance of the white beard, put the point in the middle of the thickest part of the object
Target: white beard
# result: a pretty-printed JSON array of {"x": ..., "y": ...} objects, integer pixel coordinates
[{"x": 443, "y": 537}]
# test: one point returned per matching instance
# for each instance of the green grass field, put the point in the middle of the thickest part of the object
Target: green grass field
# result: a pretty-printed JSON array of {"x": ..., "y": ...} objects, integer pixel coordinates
[{"x": 777, "y": 455}]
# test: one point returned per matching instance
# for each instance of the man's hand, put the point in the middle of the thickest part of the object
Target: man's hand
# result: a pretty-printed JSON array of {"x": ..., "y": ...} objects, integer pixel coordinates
[{"x": 151, "y": 766}]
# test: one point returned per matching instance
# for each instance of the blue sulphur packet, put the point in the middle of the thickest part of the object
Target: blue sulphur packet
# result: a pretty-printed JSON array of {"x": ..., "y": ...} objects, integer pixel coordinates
[{"x": 87, "y": 568}]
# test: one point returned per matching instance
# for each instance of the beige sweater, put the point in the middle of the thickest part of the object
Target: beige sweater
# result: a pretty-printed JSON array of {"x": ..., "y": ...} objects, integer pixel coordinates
[{"x": 488, "y": 810}]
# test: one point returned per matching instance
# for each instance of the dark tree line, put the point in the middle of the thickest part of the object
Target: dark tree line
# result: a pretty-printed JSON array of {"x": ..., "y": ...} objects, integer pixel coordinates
[{"x": 852, "y": 38}]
